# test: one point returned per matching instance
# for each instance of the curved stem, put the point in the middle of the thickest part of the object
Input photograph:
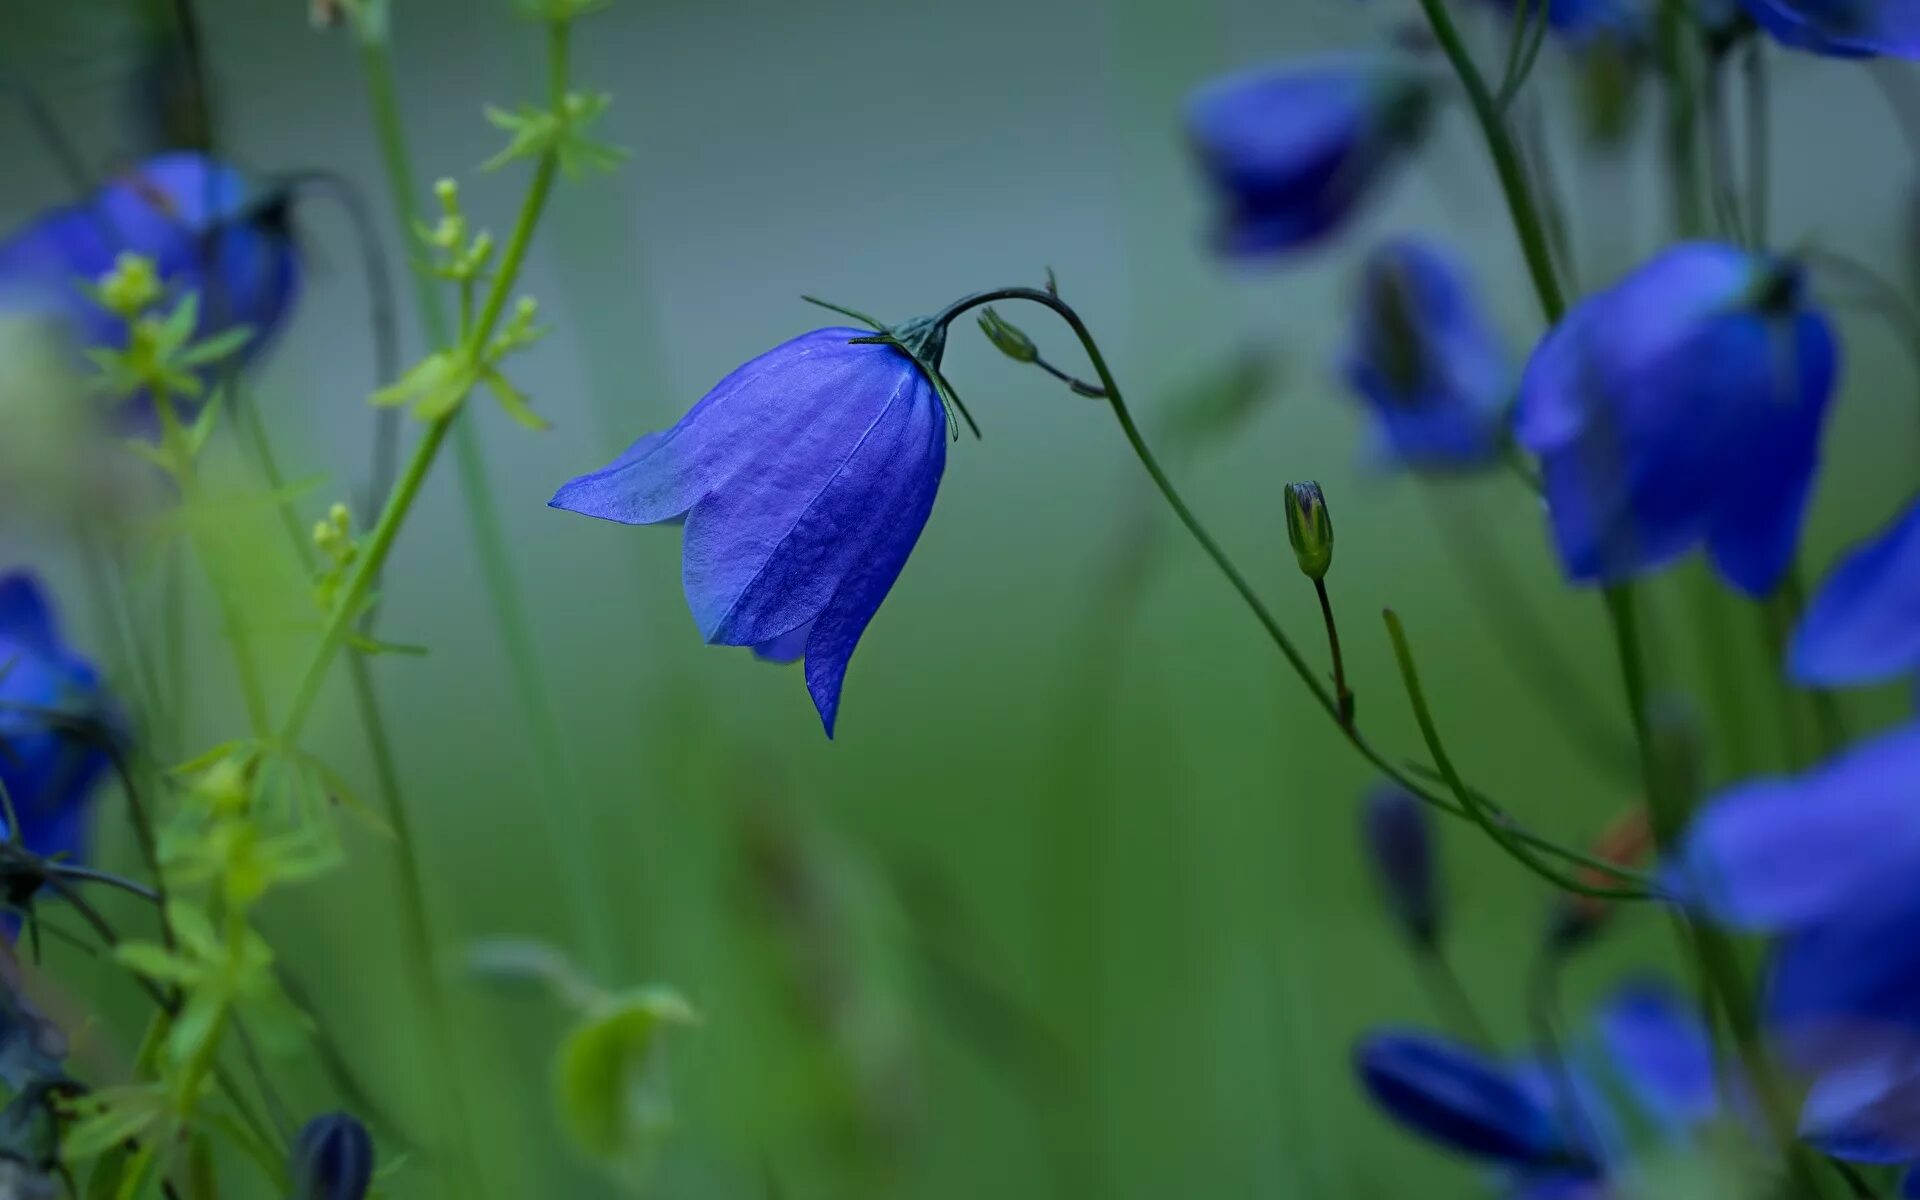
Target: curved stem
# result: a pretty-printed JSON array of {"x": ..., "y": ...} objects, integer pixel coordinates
[{"x": 1278, "y": 635}]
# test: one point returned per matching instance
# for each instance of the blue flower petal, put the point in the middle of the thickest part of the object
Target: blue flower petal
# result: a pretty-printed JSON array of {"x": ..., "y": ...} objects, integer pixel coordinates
[
  {"x": 1456, "y": 1096},
  {"x": 1781, "y": 853},
  {"x": 1867, "y": 1112},
  {"x": 1864, "y": 624},
  {"x": 1657, "y": 1043},
  {"x": 25, "y": 614},
  {"x": 663, "y": 475},
  {"x": 1910, "y": 1184},
  {"x": 1845, "y": 993},
  {"x": 1842, "y": 28}
]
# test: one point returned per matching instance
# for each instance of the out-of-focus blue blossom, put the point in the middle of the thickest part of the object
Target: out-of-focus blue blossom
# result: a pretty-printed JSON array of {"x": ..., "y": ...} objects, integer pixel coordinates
[
  {"x": 1457, "y": 1096},
  {"x": 332, "y": 1159},
  {"x": 1581, "y": 22},
  {"x": 49, "y": 773},
  {"x": 1399, "y": 840},
  {"x": 1293, "y": 150},
  {"x": 1826, "y": 861},
  {"x": 1565, "y": 1126},
  {"x": 1424, "y": 358},
  {"x": 1864, "y": 624},
  {"x": 203, "y": 227},
  {"x": 1842, "y": 28},
  {"x": 1682, "y": 407},
  {"x": 804, "y": 479}
]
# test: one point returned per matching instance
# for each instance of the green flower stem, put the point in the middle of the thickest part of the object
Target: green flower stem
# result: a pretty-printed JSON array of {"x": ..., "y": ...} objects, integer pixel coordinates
[
  {"x": 173, "y": 444},
  {"x": 562, "y": 801},
  {"x": 1328, "y": 700},
  {"x": 1678, "y": 47},
  {"x": 1527, "y": 223}
]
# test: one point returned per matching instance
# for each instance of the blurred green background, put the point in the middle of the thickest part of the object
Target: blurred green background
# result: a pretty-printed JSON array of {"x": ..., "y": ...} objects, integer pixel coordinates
[{"x": 1074, "y": 905}]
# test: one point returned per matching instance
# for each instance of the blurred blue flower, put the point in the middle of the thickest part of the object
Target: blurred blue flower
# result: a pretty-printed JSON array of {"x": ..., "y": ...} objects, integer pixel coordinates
[
  {"x": 332, "y": 1159},
  {"x": 1842, "y": 28},
  {"x": 198, "y": 220},
  {"x": 1825, "y": 860},
  {"x": 1293, "y": 150},
  {"x": 1424, "y": 358},
  {"x": 1461, "y": 1098},
  {"x": 1683, "y": 406},
  {"x": 1399, "y": 839},
  {"x": 804, "y": 478},
  {"x": 48, "y": 773},
  {"x": 1567, "y": 1124},
  {"x": 1580, "y": 22},
  {"x": 1864, "y": 624}
]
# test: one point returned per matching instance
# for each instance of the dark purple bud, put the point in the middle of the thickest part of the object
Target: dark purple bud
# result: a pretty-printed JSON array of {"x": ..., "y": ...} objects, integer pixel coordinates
[
  {"x": 1309, "y": 528},
  {"x": 332, "y": 1159},
  {"x": 1399, "y": 837}
]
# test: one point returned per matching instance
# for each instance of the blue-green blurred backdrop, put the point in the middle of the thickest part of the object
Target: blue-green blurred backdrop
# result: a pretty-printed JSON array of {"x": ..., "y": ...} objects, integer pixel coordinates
[{"x": 1074, "y": 905}]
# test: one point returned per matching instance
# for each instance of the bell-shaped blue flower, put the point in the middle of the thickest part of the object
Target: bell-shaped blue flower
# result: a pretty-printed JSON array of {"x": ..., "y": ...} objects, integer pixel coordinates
[
  {"x": 1780, "y": 854},
  {"x": 1864, "y": 624},
  {"x": 804, "y": 478},
  {"x": 332, "y": 1159},
  {"x": 1399, "y": 841},
  {"x": 1455, "y": 1095},
  {"x": 1425, "y": 360},
  {"x": 49, "y": 772},
  {"x": 1842, "y": 28},
  {"x": 1293, "y": 150},
  {"x": 1656, "y": 1044},
  {"x": 1682, "y": 407},
  {"x": 205, "y": 230}
]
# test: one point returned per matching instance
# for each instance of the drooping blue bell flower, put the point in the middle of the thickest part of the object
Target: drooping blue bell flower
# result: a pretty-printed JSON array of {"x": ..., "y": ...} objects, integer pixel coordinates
[
  {"x": 205, "y": 229},
  {"x": 332, "y": 1159},
  {"x": 1864, "y": 623},
  {"x": 1399, "y": 839},
  {"x": 1774, "y": 855},
  {"x": 1425, "y": 360},
  {"x": 1293, "y": 150},
  {"x": 1682, "y": 407},
  {"x": 1457, "y": 1096},
  {"x": 49, "y": 772},
  {"x": 1655, "y": 1043},
  {"x": 1842, "y": 28},
  {"x": 804, "y": 478}
]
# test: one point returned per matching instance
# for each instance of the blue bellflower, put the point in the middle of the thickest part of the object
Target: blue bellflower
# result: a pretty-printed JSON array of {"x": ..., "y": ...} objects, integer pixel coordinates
[
  {"x": 1424, "y": 359},
  {"x": 332, "y": 1159},
  {"x": 1864, "y": 624},
  {"x": 804, "y": 478},
  {"x": 1825, "y": 861},
  {"x": 1557, "y": 1129},
  {"x": 1399, "y": 841},
  {"x": 49, "y": 773},
  {"x": 1682, "y": 407},
  {"x": 1293, "y": 150},
  {"x": 200, "y": 223},
  {"x": 1842, "y": 28}
]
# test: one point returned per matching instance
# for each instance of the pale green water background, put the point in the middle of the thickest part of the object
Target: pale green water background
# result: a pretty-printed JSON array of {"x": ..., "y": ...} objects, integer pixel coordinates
[{"x": 1140, "y": 836}]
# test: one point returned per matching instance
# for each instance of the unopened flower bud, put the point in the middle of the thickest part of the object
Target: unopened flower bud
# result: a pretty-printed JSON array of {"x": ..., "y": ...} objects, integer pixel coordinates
[
  {"x": 131, "y": 287},
  {"x": 1309, "y": 528},
  {"x": 332, "y": 1159},
  {"x": 1399, "y": 840},
  {"x": 1006, "y": 338}
]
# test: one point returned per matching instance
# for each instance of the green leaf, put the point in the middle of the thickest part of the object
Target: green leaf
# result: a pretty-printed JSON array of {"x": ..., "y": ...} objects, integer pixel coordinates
[
  {"x": 193, "y": 929},
  {"x": 110, "y": 1117},
  {"x": 202, "y": 426},
  {"x": 220, "y": 346},
  {"x": 156, "y": 962},
  {"x": 104, "y": 1182},
  {"x": 515, "y": 402},
  {"x": 198, "y": 1024},
  {"x": 171, "y": 334},
  {"x": 608, "y": 1081}
]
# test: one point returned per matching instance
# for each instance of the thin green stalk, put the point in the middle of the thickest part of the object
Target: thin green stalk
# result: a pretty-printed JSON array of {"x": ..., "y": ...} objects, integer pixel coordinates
[
  {"x": 1535, "y": 245},
  {"x": 562, "y": 801},
  {"x": 1678, "y": 52},
  {"x": 1327, "y": 700}
]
